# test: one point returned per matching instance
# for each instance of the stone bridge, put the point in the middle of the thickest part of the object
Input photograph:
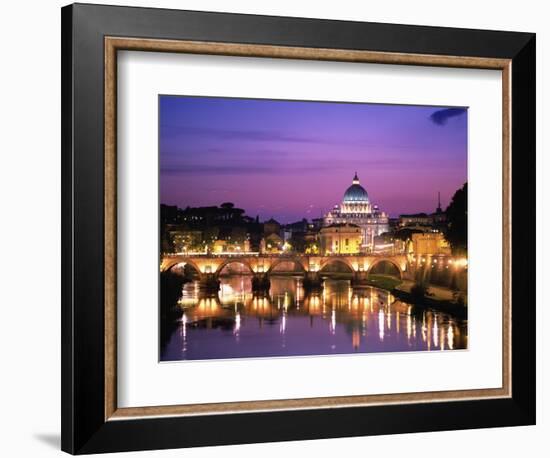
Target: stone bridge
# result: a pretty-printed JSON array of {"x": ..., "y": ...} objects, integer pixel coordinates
[{"x": 261, "y": 266}]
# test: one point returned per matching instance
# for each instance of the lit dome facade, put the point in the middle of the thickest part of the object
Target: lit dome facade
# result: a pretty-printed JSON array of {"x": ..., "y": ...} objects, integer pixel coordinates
[
  {"x": 357, "y": 209},
  {"x": 356, "y": 192}
]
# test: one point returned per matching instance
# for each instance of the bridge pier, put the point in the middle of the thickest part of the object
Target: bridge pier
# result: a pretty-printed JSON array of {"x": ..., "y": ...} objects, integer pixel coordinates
[
  {"x": 209, "y": 283},
  {"x": 260, "y": 283},
  {"x": 359, "y": 280},
  {"x": 312, "y": 281}
]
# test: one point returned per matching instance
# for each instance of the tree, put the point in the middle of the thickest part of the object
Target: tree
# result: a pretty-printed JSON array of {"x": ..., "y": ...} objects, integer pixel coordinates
[{"x": 457, "y": 221}]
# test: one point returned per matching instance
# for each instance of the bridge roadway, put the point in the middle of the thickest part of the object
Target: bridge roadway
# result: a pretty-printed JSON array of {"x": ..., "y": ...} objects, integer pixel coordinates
[{"x": 212, "y": 264}]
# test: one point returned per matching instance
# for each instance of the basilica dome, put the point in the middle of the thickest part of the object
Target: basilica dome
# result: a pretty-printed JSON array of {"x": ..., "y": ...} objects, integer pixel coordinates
[{"x": 356, "y": 193}]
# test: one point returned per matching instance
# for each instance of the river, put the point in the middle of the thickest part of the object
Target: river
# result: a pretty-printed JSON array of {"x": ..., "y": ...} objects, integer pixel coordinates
[{"x": 288, "y": 322}]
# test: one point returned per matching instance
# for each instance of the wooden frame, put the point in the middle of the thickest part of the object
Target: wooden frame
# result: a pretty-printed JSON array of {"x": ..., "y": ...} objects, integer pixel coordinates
[{"x": 92, "y": 421}]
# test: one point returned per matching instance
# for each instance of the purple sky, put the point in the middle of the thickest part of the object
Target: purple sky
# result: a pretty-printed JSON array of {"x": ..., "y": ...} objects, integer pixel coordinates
[{"x": 289, "y": 159}]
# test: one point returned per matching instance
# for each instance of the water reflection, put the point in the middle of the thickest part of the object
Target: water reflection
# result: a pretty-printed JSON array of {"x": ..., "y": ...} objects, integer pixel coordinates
[{"x": 288, "y": 322}]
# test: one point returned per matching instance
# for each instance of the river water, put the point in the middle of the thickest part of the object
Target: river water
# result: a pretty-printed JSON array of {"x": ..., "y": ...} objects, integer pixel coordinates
[{"x": 287, "y": 322}]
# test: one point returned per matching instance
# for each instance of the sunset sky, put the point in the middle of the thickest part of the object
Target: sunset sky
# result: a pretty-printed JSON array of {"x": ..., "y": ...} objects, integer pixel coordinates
[{"x": 291, "y": 160}]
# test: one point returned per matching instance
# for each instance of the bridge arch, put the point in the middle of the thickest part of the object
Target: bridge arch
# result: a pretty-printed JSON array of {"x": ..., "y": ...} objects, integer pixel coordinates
[
  {"x": 389, "y": 261},
  {"x": 296, "y": 261},
  {"x": 342, "y": 261},
  {"x": 174, "y": 262},
  {"x": 227, "y": 262}
]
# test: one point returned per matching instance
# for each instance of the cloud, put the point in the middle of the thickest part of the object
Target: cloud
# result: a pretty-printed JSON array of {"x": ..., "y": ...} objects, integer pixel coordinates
[
  {"x": 274, "y": 167},
  {"x": 172, "y": 153},
  {"x": 214, "y": 169},
  {"x": 242, "y": 169},
  {"x": 440, "y": 117},
  {"x": 236, "y": 134}
]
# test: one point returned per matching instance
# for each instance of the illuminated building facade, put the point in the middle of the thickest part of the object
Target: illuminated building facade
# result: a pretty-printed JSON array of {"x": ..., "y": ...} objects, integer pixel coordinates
[
  {"x": 185, "y": 240},
  {"x": 228, "y": 246},
  {"x": 273, "y": 243},
  {"x": 341, "y": 238},
  {"x": 429, "y": 243},
  {"x": 357, "y": 209}
]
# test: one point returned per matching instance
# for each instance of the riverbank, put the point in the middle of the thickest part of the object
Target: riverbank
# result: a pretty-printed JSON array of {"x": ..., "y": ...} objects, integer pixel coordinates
[{"x": 438, "y": 298}]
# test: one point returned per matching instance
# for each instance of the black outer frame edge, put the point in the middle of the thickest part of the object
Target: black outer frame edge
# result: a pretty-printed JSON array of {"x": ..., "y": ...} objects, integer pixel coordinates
[
  {"x": 161, "y": 23},
  {"x": 174, "y": 432},
  {"x": 524, "y": 235},
  {"x": 83, "y": 427},
  {"x": 67, "y": 413}
]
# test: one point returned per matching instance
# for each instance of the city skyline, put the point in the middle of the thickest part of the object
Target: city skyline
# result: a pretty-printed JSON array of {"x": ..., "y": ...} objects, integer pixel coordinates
[{"x": 291, "y": 159}]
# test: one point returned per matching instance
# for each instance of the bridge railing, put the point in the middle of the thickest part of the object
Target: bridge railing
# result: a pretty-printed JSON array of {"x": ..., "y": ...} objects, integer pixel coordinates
[{"x": 279, "y": 255}]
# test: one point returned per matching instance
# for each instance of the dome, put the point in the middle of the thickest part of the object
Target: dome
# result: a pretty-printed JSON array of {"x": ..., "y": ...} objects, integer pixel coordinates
[{"x": 356, "y": 192}]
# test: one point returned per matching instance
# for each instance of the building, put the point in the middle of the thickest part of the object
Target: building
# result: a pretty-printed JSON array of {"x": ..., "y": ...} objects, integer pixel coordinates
[
  {"x": 416, "y": 220},
  {"x": 429, "y": 243},
  {"x": 423, "y": 221},
  {"x": 299, "y": 226},
  {"x": 271, "y": 226},
  {"x": 226, "y": 213},
  {"x": 198, "y": 228},
  {"x": 316, "y": 224},
  {"x": 356, "y": 209},
  {"x": 439, "y": 217},
  {"x": 273, "y": 243},
  {"x": 302, "y": 236},
  {"x": 184, "y": 240},
  {"x": 227, "y": 246},
  {"x": 341, "y": 238}
]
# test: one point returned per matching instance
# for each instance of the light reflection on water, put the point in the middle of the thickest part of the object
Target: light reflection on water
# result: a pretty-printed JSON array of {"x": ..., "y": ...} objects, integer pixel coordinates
[{"x": 287, "y": 322}]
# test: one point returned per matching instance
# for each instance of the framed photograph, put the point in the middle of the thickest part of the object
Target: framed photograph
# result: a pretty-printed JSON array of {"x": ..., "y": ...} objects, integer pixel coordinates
[{"x": 281, "y": 228}]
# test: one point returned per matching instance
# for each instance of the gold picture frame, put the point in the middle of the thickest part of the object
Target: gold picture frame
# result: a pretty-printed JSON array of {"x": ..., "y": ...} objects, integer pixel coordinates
[{"x": 115, "y": 44}]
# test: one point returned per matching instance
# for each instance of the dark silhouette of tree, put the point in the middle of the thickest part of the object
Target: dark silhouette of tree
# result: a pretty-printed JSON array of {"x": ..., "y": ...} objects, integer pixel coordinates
[
  {"x": 171, "y": 285},
  {"x": 457, "y": 221}
]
